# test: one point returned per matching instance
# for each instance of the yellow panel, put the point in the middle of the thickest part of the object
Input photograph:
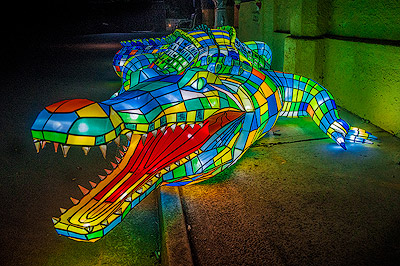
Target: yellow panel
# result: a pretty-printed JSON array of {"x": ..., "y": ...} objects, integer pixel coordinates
[
  {"x": 314, "y": 92},
  {"x": 81, "y": 140},
  {"x": 294, "y": 96},
  {"x": 314, "y": 104},
  {"x": 227, "y": 157},
  {"x": 242, "y": 59},
  {"x": 211, "y": 93},
  {"x": 264, "y": 108},
  {"x": 171, "y": 118},
  {"x": 157, "y": 123},
  {"x": 299, "y": 96},
  {"x": 319, "y": 113},
  {"x": 191, "y": 116},
  {"x": 250, "y": 138},
  {"x": 214, "y": 102},
  {"x": 115, "y": 118},
  {"x": 266, "y": 90},
  {"x": 142, "y": 127},
  {"x": 208, "y": 113},
  {"x": 93, "y": 110},
  {"x": 110, "y": 136},
  {"x": 286, "y": 106},
  {"x": 278, "y": 100},
  {"x": 176, "y": 108},
  {"x": 316, "y": 120},
  {"x": 218, "y": 162},
  {"x": 260, "y": 99}
]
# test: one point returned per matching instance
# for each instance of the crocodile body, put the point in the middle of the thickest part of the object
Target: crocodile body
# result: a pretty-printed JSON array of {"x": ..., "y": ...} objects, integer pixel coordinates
[{"x": 190, "y": 105}]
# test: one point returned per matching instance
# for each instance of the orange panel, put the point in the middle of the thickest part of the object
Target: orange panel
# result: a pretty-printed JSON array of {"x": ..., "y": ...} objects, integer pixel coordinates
[
  {"x": 73, "y": 105},
  {"x": 54, "y": 106}
]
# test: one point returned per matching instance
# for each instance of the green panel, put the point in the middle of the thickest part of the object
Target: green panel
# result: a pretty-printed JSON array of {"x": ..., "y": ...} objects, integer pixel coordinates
[
  {"x": 55, "y": 136},
  {"x": 95, "y": 235},
  {"x": 193, "y": 104},
  {"x": 37, "y": 134},
  {"x": 206, "y": 104},
  {"x": 133, "y": 118},
  {"x": 179, "y": 171},
  {"x": 91, "y": 126}
]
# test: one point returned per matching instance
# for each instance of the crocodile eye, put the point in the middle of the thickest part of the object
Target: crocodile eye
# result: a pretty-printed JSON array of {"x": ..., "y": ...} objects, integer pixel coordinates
[{"x": 199, "y": 83}]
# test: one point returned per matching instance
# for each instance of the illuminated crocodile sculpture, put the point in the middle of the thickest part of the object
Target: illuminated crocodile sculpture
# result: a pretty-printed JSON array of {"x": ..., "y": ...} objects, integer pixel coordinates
[{"x": 190, "y": 105}]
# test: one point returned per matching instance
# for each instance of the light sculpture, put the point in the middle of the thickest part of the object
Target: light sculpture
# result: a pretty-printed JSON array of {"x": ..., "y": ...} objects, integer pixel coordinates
[{"x": 190, "y": 105}]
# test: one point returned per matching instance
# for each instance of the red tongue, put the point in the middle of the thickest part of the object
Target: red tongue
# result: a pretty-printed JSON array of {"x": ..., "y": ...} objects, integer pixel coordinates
[{"x": 156, "y": 153}]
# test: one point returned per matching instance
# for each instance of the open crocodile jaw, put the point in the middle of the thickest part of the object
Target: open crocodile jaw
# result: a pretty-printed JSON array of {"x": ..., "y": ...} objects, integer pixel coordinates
[
  {"x": 144, "y": 162},
  {"x": 146, "y": 159}
]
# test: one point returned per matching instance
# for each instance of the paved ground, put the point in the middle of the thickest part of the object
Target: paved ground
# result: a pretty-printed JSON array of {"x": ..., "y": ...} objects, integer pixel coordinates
[{"x": 298, "y": 199}]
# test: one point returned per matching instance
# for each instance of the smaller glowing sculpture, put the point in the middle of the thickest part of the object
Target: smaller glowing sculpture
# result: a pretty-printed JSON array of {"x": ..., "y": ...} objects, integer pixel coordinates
[{"x": 190, "y": 105}]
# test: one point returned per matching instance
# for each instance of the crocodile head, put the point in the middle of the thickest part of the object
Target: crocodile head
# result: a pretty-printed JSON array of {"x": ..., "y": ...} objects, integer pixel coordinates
[{"x": 184, "y": 112}]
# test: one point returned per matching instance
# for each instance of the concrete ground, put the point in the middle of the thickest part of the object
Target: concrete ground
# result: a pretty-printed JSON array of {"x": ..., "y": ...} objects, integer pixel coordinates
[{"x": 295, "y": 198}]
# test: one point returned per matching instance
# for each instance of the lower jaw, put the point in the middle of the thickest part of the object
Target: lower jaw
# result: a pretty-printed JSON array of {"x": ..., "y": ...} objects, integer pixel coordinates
[{"x": 139, "y": 172}]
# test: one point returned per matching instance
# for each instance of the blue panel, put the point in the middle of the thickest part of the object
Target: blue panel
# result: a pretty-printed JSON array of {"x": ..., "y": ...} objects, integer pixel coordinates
[
  {"x": 172, "y": 78},
  {"x": 41, "y": 120},
  {"x": 62, "y": 232},
  {"x": 112, "y": 225},
  {"x": 78, "y": 236},
  {"x": 272, "y": 107},
  {"x": 60, "y": 122},
  {"x": 189, "y": 169},
  {"x": 206, "y": 157},
  {"x": 149, "y": 106},
  {"x": 168, "y": 176},
  {"x": 270, "y": 123},
  {"x": 170, "y": 97}
]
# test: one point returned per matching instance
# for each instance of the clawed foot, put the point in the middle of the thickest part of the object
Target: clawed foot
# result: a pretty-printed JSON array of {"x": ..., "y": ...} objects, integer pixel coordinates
[{"x": 343, "y": 133}]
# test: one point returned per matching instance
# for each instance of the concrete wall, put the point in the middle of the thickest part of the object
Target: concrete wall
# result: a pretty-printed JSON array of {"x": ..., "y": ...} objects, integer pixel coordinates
[{"x": 350, "y": 47}]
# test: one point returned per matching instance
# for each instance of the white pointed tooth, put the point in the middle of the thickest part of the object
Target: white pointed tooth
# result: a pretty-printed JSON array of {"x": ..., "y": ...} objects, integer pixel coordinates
[
  {"x": 187, "y": 157},
  {"x": 65, "y": 149},
  {"x": 178, "y": 163},
  {"x": 196, "y": 151},
  {"x": 201, "y": 124},
  {"x": 129, "y": 135},
  {"x": 173, "y": 127},
  {"x": 37, "y": 145},
  {"x": 158, "y": 175},
  {"x": 86, "y": 150},
  {"x": 163, "y": 129},
  {"x": 103, "y": 149},
  {"x": 140, "y": 190},
  {"x": 149, "y": 183},
  {"x": 154, "y": 132},
  {"x": 117, "y": 140},
  {"x": 55, "y": 220},
  {"x": 89, "y": 229},
  {"x": 183, "y": 126},
  {"x": 129, "y": 198},
  {"x": 167, "y": 168},
  {"x": 191, "y": 125},
  {"x": 144, "y": 137}
]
